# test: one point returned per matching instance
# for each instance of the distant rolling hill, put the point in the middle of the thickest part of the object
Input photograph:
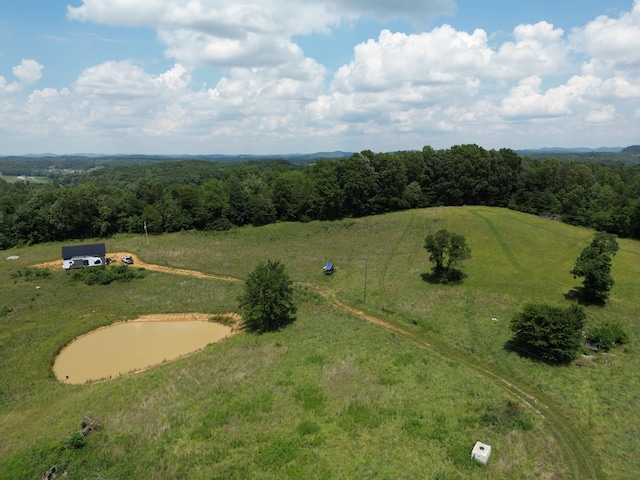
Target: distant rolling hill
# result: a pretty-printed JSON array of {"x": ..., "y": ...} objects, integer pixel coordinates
[
  {"x": 631, "y": 150},
  {"x": 292, "y": 157},
  {"x": 548, "y": 150}
]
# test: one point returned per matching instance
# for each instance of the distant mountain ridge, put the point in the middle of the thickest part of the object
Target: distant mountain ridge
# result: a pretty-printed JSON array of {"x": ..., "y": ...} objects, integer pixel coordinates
[
  {"x": 528, "y": 151},
  {"x": 293, "y": 157},
  {"x": 300, "y": 157},
  {"x": 631, "y": 150}
]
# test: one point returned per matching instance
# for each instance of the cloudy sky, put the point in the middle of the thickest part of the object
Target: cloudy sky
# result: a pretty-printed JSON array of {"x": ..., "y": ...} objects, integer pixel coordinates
[{"x": 285, "y": 76}]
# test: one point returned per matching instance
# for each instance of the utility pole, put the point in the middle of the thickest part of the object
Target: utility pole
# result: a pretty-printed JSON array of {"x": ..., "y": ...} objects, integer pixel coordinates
[{"x": 366, "y": 265}]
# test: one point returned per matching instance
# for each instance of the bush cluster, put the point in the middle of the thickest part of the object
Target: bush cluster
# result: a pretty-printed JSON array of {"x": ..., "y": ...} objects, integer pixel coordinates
[
  {"x": 106, "y": 275},
  {"x": 31, "y": 273},
  {"x": 607, "y": 336},
  {"x": 75, "y": 441}
]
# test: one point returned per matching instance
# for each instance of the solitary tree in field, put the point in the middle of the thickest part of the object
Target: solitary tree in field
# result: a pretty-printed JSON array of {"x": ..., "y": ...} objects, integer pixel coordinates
[
  {"x": 267, "y": 301},
  {"x": 594, "y": 264},
  {"x": 447, "y": 250},
  {"x": 549, "y": 333}
]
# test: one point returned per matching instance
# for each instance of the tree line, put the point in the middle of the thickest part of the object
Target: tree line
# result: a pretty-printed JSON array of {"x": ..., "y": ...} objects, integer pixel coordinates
[{"x": 206, "y": 195}]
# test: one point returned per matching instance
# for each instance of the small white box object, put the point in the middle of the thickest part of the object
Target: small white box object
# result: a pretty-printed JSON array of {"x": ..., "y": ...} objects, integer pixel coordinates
[{"x": 481, "y": 452}]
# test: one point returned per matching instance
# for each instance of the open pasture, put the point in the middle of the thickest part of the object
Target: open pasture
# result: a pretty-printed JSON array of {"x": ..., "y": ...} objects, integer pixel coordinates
[{"x": 332, "y": 395}]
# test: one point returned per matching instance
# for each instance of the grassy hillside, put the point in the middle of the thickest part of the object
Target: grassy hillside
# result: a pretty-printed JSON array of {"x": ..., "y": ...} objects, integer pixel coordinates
[{"x": 333, "y": 395}]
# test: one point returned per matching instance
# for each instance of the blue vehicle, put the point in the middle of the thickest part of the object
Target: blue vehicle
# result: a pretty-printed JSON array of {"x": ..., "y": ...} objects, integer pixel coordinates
[{"x": 329, "y": 268}]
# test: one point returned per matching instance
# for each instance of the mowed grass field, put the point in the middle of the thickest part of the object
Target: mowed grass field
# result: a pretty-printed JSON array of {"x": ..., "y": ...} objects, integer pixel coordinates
[
  {"x": 332, "y": 395},
  {"x": 14, "y": 179}
]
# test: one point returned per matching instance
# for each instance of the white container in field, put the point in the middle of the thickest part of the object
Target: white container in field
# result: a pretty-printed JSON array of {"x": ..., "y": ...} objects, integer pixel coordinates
[{"x": 481, "y": 452}]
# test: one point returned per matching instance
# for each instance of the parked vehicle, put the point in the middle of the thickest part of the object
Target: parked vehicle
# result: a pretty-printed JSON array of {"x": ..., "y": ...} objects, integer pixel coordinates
[
  {"x": 128, "y": 259},
  {"x": 82, "y": 262},
  {"x": 329, "y": 268},
  {"x": 83, "y": 256}
]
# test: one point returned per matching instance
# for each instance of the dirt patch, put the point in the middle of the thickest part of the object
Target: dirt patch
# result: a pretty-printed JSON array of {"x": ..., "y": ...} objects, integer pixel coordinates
[
  {"x": 174, "y": 271},
  {"x": 52, "y": 264},
  {"x": 117, "y": 256},
  {"x": 186, "y": 317}
]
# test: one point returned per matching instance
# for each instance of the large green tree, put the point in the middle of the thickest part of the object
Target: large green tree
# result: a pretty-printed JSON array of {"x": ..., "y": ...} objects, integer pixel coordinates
[
  {"x": 357, "y": 179},
  {"x": 594, "y": 264},
  {"x": 267, "y": 302},
  {"x": 447, "y": 250},
  {"x": 548, "y": 333}
]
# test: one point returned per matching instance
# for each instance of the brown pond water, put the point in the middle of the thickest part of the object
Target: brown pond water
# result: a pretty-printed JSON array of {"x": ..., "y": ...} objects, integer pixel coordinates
[{"x": 128, "y": 347}]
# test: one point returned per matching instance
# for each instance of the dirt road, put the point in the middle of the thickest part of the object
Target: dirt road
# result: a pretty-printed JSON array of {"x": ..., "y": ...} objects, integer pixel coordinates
[{"x": 116, "y": 256}]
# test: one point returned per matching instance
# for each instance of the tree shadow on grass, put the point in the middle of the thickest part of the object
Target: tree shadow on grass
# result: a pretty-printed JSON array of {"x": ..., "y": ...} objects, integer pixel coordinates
[
  {"x": 444, "y": 277},
  {"x": 430, "y": 278},
  {"x": 271, "y": 326},
  {"x": 578, "y": 294},
  {"x": 532, "y": 353}
]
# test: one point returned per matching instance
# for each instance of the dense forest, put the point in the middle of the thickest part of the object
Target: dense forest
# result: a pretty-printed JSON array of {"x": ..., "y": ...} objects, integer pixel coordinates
[{"x": 201, "y": 194}]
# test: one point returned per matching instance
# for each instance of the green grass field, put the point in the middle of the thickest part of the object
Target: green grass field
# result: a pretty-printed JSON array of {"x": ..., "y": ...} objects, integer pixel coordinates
[
  {"x": 332, "y": 395},
  {"x": 14, "y": 179}
]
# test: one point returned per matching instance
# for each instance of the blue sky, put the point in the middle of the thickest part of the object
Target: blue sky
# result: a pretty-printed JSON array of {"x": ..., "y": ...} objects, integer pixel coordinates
[{"x": 282, "y": 76}]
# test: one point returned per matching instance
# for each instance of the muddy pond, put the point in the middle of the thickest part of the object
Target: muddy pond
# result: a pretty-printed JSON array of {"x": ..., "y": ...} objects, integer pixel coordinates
[{"x": 128, "y": 347}]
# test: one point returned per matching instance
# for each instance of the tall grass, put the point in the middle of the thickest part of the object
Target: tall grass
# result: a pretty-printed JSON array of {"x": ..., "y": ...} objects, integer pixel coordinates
[{"x": 331, "y": 396}]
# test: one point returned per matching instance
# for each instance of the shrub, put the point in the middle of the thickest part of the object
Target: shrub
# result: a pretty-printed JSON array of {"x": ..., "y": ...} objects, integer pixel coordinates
[
  {"x": 549, "y": 333},
  {"x": 75, "y": 441},
  {"x": 106, "y": 275},
  {"x": 607, "y": 336},
  {"x": 31, "y": 273}
]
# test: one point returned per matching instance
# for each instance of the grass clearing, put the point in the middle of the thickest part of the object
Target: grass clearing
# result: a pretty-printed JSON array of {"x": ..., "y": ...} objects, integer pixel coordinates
[
  {"x": 23, "y": 178},
  {"x": 331, "y": 396}
]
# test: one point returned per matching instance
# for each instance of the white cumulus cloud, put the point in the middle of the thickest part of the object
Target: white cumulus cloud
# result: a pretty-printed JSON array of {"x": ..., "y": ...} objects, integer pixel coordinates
[
  {"x": 440, "y": 85},
  {"x": 611, "y": 41},
  {"x": 28, "y": 72},
  {"x": 248, "y": 33},
  {"x": 537, "y": 49}
]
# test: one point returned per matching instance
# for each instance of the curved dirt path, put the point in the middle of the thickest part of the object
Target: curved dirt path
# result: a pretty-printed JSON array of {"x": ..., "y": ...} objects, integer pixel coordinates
[
  {"x": 573, "y": 447},
  {"x": 175, "y": 271},
  {"x": 117, "y": 256},
  {"x": 571, "y": 442}
]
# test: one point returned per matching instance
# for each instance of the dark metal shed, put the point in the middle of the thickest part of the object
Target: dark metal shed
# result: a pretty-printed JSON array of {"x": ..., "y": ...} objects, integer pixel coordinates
[{"x": 92, "y": 250}]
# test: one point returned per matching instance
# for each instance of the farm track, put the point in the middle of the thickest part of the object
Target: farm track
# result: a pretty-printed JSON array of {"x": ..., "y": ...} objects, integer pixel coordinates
[
  {"x": 393, "y": 253},
  {"x": 152, "y": 267},
  {"x": 503, "y": 244},
  {"x": 570, "y": 441},
  {"x": 573, "y": 447}
]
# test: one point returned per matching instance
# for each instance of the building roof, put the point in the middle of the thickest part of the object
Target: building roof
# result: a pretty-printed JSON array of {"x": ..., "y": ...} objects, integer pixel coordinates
[{"x": 93, "y": 249}]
